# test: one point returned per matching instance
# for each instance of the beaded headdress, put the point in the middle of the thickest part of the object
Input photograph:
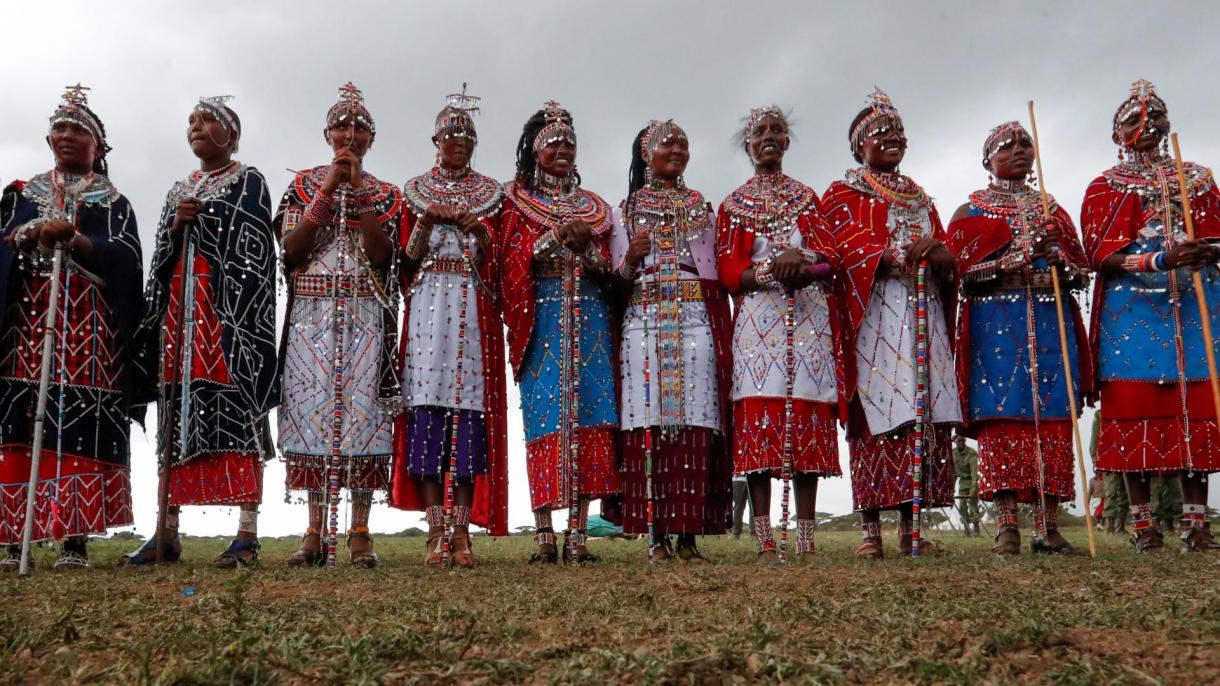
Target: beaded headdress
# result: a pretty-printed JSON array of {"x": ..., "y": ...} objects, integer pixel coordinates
[
  {"x": 881, "y": 107},
  {"x": 558, "y": 127},
  {"x": 757, "y": 114},
  {"x": 1142, "y": 93},
  {"x": 658, "y": 131},
  {"x": 215, "y": 106},
  {"x": 350, "y": 107},
  {"x": 456, "y": 119},
  {"x": 1000, "y": 136},
  {"x": 74, "y": 109}
]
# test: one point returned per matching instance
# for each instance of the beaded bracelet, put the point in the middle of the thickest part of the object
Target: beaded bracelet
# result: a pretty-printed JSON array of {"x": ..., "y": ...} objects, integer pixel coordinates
[
  {"x": 627, "y": 271},
  {"x": 417, "y": 245},
  {"x": 898, "y": 258},
  {"x": 546, "y": 243},
  {"x": 763, "y": 276},
  {"x": 320, "y": 212},
  {"x": 810, "y": 256},
  {"x": 1144, "y": 262}
]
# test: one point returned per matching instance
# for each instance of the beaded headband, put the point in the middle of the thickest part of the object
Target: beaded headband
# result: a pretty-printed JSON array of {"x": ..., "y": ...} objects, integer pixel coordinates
[
  {"x": 882, "y": 107},
  {"x": 1000, "y": 136},
  {"x": 455, "y": 118},
  {"x": 1143, "y": 94},
  {"x": 558, "y": 127},
  {"x": 351, "y": 104},
  {"x": 758, "y": 114},
  {"x": 656, "y": 134},
  {"x": 215, "y": 106},
  {"x": 72, "y": 110}
]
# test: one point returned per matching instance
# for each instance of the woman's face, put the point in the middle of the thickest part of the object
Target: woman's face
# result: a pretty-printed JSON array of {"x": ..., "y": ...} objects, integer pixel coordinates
[
  {"x": 73, "y": 146},
  {"x": 456, "y": 148},
  {"x": 767, "y": 141},
  {"x": 1015, "y": 159},
  {"x": 669, "y": 157},
  {"x": 1140, "y": 132},
  {"x": 207, "y": 136},
  {"x": 557, "y": 158},
  {"x": 884, "y": 143},
  {"x": 350, "y": 133}
]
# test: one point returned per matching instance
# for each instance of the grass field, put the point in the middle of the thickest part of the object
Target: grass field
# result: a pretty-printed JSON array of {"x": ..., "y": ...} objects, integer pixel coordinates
[{"x": 964, "y": 618}]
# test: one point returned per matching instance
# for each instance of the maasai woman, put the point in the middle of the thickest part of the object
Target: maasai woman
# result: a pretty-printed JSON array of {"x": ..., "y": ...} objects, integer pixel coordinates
[
  {"x": 339, "y": 228},
  {"x": 770, "y": 231},
  {"x": 887, "y": 226},
  {"x": 674, "y": 358},
  {"x": 1158, "y": 418},
  {"x": 554, "y": 256},
  {"x": 451, "y": 446},
  {"x": 1009, "y": 362},
  {"x": 84, "y": 484},
  {"x": 226, "y": 384}
]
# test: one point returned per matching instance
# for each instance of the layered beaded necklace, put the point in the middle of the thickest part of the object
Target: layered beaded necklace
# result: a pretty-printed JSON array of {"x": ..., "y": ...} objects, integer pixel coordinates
[
  {"x": 770, "y": 203},
  {"x": 468, "y": 189},
  {"x": 552, "y": 205}
]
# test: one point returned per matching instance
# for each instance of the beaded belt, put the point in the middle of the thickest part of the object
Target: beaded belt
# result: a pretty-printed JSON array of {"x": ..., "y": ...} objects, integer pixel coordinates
[
  {"x": 650, "y": 292},
  {"x": 323, "y": 286},
  {"x": 1009, "y": 282},
  {"x": 447, "y": 265}
]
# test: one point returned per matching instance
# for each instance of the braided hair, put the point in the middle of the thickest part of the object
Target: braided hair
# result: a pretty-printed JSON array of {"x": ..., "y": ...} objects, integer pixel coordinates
[
  {"x": 639, "y": 168},
  {"x": 99, "y": 157},
  {"x": 525, "y": 149}
]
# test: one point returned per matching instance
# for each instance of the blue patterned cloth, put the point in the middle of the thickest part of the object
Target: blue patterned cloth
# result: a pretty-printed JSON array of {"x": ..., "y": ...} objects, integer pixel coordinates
[
  {"x": 540, "y": 378},
  {"x": 1137, "y": 323}
]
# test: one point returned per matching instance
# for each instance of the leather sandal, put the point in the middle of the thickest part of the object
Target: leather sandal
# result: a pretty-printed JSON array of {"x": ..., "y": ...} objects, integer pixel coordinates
[
  {"x": 1197, "y": 540},
  {"x": 663, "y": 550},
  {"x": 435, "y": 555},
  {"x": 546, "y": 553},
  {"x": 307, "y": 555},
  {"x": 1149, "y": 540},
  {"x": 1053, "y": 544},
  {"x": 240, "y": 553},
  {"x": 687, "y": 550},
  {"x": 576, "y": 552},
  {"x": 147, "y": 553},
  {"x": 926, "y": 548},
  {"x": 1007, "y": 542},
  {"x": 362, "y": 558},
  {"x": 871, "y": 549},
  {"x": 462, "y": 550}
]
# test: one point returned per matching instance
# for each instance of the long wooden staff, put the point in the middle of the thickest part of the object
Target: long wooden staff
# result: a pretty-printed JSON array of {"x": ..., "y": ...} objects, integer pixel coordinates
[
  {"x": 1204, "y": 312},
  {"x": 1063, "y": 348},
  {"x": 40, "y": 412}
]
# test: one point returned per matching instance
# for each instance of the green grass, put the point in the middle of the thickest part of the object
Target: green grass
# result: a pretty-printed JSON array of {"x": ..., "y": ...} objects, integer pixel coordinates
[{"x": 965, "y": 618}]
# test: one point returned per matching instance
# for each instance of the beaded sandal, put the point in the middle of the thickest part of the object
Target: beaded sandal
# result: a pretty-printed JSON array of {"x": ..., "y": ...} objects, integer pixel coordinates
[
  {"x": 926, "y": 548},
  {"x": 662, "y": 551},
  {"x": 576, "y": 552},
  {"x": 1149, "y": 540},
  {"x": 234, "y": 557},
  {"x": 306, "y": 556},
  {"x": 871, "y": 548},
  {"x": 362, "y": 558},
  {"x": 147, "y": 553},
  {"x": 1007, "y": 542}
]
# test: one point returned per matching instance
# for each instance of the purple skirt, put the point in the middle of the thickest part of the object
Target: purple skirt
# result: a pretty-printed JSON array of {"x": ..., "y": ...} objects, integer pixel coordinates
[{"x": 429, "y": 432}]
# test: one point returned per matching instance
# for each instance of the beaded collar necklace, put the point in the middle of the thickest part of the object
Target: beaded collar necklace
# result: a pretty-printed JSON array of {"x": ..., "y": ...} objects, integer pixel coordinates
[
  {"x": 1141, "y": 175},
  {"x": 550, "y": 209},
  {"x": 766, "y": 196},
  {"x": 999, "y": 202},
  {"x": 892, "y": 187},
  {"x": 654, "y": 206},
  {"x": 474, "y": 192}
]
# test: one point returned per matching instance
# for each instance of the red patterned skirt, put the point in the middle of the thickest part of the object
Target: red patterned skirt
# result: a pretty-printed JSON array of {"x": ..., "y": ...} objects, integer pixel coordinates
[
  {"x": 227, "y": 478},
  {"x": 691, "y": 484},
  {"x": 597, "y": 471},
  {"x": 881, "y": 465},
  {"x": 1008, "y": 460},
  {"x": 1143, "y": 430},
  {"x": 356, "y": 473},
  {"x": 758, "y": 437},
  {"x": 84, "y": 478}
]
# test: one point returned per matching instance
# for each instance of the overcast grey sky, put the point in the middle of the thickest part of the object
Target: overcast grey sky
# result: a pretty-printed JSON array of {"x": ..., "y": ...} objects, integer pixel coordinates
[{"x": 954, "y": 69}]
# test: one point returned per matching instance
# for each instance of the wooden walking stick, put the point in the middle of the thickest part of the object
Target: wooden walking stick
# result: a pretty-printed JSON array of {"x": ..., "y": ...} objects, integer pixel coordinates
[
  {"x": 1204, "y": 312},
  {"x": 40, "y": 412},
  {"x": 1063, "y": 348}
]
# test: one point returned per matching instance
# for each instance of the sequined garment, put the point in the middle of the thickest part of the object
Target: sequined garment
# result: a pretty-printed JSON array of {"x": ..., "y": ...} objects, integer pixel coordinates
[
  {"x": 757, "y": 222},
  {"x": 428, "y": 355},
  {"x": 677, "y": 323},
  {"x": 1003, "y": 313},
  {"x": 534, "y": 301},
  {"x": 233, "y": 384},
  {"x": 870, "y": 213},
  {"x": 1157, "y": 414},
  {"x": 84, "y": 486},
  {"x": 370, "y": 390}
]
